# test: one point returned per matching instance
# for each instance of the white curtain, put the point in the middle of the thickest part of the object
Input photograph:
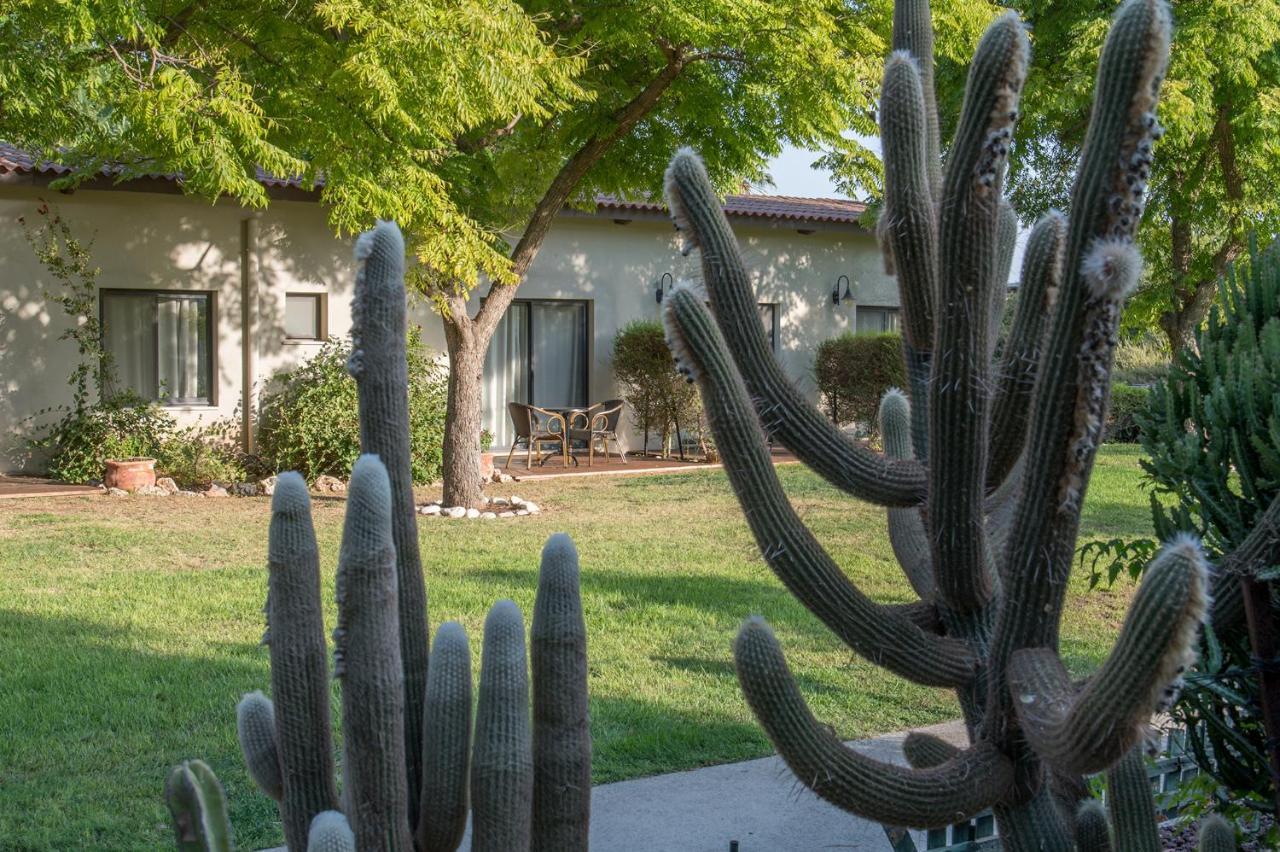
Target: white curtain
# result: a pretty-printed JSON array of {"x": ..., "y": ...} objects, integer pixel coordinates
[
  {"x": 181, "y": 333},
  {"x": 559, "y": 354},
  {"x": 129, "y": 331},
  {"x": 506, "y": 372}
]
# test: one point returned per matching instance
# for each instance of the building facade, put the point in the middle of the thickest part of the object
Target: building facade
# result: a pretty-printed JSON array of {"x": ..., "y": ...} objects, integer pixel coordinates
[{"x": 202, "y": 303}]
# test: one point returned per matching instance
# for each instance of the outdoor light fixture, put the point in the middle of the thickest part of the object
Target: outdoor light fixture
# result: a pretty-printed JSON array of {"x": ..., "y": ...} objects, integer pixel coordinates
[
  {"x": 836, "y": 296},
  {"x": 667, "y": 281}
]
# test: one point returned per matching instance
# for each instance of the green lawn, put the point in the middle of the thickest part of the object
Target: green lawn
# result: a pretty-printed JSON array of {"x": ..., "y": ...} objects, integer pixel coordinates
[{"x": 131, "y": 627}]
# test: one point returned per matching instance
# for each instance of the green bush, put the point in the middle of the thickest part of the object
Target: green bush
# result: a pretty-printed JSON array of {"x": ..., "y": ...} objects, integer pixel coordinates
[
  {"x": 123, "y": 426},
  {"x": 854, "y": 370},
  {"x": 1141, "y": 361},
  {"x": 646, "y": 374},
  {"x": 197, "y": 458},
  {"x": 308, "y": 420},
  {"x": 1126, "y": 402}
]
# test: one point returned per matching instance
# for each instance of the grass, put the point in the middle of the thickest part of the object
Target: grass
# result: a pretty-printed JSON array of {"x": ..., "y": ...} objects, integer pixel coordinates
[{"x": 131, "y": 627}]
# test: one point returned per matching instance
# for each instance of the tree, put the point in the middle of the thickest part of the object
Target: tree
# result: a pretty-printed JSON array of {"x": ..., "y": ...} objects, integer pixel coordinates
[
  {"x": 1215, "y": 175},
  {"x": 371, "y": 101},
  {"x": 734, "y": 79}
]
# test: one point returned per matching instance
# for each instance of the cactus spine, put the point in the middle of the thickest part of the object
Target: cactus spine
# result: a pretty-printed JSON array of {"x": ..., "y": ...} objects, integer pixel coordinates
[
  {"x": 409, "y": 762},
  {"x": 985, "y": 464}
]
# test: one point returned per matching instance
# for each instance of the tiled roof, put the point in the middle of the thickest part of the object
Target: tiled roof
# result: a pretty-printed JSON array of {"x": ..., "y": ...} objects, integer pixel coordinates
[
  {"x": 760, "y": 206},
  {"x": 788, "y": 207}
]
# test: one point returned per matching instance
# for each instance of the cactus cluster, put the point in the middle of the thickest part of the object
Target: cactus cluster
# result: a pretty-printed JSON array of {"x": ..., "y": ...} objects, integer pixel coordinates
[
  {"x": 412, "y": 769},
  {"x": 987, "y": 456}
]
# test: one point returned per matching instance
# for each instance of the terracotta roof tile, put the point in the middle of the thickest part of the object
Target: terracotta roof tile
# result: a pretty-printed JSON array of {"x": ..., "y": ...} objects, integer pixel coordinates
[{"x": 788, "y": 207}]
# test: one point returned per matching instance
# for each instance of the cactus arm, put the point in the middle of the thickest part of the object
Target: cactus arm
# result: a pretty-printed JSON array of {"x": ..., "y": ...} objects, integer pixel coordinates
[
  {"x": 1260, "y": 548},
  {"x": 1217, "y": 835},
  {"x": 1006, "y": 244},
  {"x": 1092, "y": 832},
  {"x": 1035, "y": 825},
  {"x": 367, "y": 660},
  {"x": 788, "y": 547},
  {"x": 502, "y": 763},
  {"x": 1038, "y": 288},
  {"x": 380, "y": 369},
  {"x": 256, "y": 730},
  {"x": 913, "y": 34},
  {"x": 922, "y": 614},
  {"x": 446, "y": 743},
  {"x": 330, "y": 832},
  {"x": 959, "y": 392},
  {"x": 198, "y": 808},
  {"x": 1104, "y": 212},
  {"x": 1129, "y": 803},
  {"x": 894, "y": 795},
  {"x": 561, "y": 723},
  {"x": 299, "y": 661},
  {"x": 783, "y": 412},
  {"x": 907, "y": 534},
  {"x": 1086, "y": 733},
  {"x": 908, "y": 226},
  {"x": 925, "y": 751}
]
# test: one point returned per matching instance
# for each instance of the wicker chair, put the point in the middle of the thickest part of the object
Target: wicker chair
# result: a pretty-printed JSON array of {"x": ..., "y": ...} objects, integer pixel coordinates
[
  {"x": 599, "y": 423},
  {"x": 535, "y": 427}
]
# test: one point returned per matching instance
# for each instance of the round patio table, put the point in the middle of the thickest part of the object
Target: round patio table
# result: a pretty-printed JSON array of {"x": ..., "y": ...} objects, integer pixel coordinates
[{"x": 568, "y": 412}]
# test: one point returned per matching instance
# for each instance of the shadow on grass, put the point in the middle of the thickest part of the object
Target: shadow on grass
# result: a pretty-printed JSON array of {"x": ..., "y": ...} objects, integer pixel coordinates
[{"x": 91, "y": 721}]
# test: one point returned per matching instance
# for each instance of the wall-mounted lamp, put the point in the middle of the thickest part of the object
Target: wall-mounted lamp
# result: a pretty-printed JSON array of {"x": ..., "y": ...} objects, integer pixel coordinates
[
  {"x": 836, "y": 296},
  {"x": 666, "y": 282}
]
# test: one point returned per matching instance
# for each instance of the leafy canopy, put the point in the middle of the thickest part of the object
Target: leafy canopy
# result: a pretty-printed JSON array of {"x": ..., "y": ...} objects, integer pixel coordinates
[{"x": 369, "y": 96}]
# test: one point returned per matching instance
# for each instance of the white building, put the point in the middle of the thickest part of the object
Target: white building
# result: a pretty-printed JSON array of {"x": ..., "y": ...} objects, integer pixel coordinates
[{"x": 203, "y": 302}]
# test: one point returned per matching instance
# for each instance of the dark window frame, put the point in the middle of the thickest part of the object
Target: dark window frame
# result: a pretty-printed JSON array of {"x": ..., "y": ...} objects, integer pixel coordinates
[
  {"x": 774, "y": 320},
  {"x": 322, "y": 316},
  {"x": 885, "y": 310},
  {"x": 588, "y": 331},
  {"x": 210, "y": 334}
]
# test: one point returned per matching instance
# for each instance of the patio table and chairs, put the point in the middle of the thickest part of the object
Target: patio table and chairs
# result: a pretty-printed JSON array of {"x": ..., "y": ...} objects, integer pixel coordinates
[{"x": 565, "y": 427}]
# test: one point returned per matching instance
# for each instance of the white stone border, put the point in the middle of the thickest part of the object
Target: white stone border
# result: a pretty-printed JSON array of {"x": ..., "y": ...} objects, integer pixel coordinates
[{"x": 497, "y": 507}]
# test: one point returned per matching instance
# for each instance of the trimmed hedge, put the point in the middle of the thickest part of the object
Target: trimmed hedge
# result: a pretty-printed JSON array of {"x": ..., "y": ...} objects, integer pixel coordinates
[
  {"x": 854, "y": 370},
  {"x": 1126, "y": 402},
  {"x": 646, "y": 374}
]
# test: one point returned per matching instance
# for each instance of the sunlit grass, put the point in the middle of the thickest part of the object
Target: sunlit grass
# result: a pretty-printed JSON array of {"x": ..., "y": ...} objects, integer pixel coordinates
[{"x": 130, "y": 627}]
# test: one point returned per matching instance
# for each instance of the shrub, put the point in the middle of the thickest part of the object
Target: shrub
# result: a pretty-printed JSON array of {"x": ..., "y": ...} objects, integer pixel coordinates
[
  {"x": 1126, "y": 402},
  {"x": 308, "y": 420},
  {"x": 854, "y": 370},
  {"x": 659, "y": 396},
  {"x": 123, "y": 426},
  {"x": 198, "y": 458},
  {"x": 1141, "y": 361}
]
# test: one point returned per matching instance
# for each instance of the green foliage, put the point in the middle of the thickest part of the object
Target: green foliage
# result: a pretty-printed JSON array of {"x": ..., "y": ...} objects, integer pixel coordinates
[
  {"x": 1126, "y": 402},
  {"x": 376, "y": 98},
  {"x": 309, "y": 422},
  {"x": 647, "y": 377},
  {"x": 122, "y": 426},
  {"x": 1211, "y": 432},
  {"x": 1141, "y": 359},
  {"x": 854, "y": 370},
  {"x": 197, "y": 458}
]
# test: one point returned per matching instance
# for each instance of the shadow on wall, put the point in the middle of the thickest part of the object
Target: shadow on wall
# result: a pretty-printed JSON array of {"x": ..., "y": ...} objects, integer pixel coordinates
[{"x": 148, "y": 241}]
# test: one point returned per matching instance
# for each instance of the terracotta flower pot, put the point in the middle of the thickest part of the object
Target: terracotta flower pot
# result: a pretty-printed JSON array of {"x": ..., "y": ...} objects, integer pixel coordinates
[
  {"x": 130, "y": 474},
  {"x": 486, "y": 466}
]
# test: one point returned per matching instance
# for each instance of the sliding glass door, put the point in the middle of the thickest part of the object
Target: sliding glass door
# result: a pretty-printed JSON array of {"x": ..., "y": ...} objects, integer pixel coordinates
[{"x": 538, "y": 355}]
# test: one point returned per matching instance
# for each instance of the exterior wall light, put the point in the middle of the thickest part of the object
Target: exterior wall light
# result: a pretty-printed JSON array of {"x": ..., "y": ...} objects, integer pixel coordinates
[
  {"x": 836, "y": 296},
  {"x": 666, "y": 282}
]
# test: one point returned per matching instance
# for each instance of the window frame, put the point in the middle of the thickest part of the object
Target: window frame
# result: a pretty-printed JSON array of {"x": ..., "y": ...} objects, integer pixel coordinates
[
  {"x": 211, "y": 296},
  {"x": 588, "y": 331},
  {"x": 884, "y": 310},
  {"x": 774, "y": 320},
  {"x": 322, "y": 316}
]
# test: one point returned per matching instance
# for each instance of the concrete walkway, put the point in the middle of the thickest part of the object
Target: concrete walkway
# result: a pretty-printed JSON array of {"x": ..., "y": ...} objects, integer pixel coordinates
[{"x": 758, "y": 803}]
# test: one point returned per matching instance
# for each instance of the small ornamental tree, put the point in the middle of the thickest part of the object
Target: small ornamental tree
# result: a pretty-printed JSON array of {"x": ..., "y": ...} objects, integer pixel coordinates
[{"x": 660, "y": 398}]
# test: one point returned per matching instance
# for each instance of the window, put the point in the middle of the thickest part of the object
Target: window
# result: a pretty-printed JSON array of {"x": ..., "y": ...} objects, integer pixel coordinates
[
  {"x": 161, "y": 343},
  {"x": 769, "y": 318},
  {"x": 539, "y": 355},
  {"x": 876, "y": 320},
  {"x": 304, "y": 316}
]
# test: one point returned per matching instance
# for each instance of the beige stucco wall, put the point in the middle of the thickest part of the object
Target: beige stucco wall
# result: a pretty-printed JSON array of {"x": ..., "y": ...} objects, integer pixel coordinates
[{"x": 150, "y": 240}]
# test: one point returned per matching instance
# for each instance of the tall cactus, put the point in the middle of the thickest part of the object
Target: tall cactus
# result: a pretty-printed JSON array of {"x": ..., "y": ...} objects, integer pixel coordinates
[
  {"x": 986, "y": 464},
  {"x": 408, "y": 748}
]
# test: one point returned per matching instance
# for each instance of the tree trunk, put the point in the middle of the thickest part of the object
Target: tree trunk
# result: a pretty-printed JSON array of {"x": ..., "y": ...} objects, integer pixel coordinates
[{"x": 462, "y": 483}]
